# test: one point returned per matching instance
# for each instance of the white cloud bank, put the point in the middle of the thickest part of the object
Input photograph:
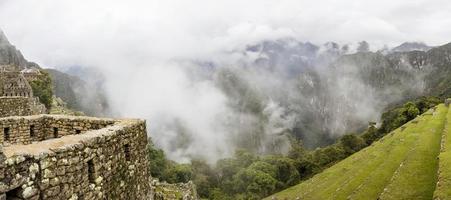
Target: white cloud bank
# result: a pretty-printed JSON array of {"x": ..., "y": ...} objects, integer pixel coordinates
[{"x": 138, "y": 45}]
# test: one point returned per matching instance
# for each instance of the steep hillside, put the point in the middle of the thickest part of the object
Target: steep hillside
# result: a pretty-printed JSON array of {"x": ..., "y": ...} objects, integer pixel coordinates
[
  {"x": 439, "y": 78},
  {"x": 402, "y": 165},
  {"x": 331, "y": 92},
  {"x": 79, "y": 94},
  {"x": 9, "y": 55},
  {"x": 63, "y": 87}
]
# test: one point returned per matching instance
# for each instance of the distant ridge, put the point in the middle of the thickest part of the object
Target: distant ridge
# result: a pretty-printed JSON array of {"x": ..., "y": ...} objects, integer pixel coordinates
[{"x": 411, "y": 46}]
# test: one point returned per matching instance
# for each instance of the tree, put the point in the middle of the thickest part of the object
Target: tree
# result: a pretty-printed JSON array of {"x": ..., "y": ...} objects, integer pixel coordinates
[
  {"x": 363, "y": 47},
  {"x": 230, "y": 166},
  {"x": 227, "y": 168},
  {"x": 410, "y": 110},
  {"x": 287, "y": 173},
  {"x": 352, "y": 143},
  {"x": 157, "y": 161},
  {"x": 179, "y": 173},
  {"x": 264, "y": 167},
  {"x": 245, "y": 158},
  {"x": 398, "y": 116},
  {"x": 424, "y": 103},
  {"x": 42, "y": 88},
  {"x": 205, "y": 178},
  {"x": 323, "y": 157},
  {"x": 306, "y": 167},
  {"x": 254, "y": 182},
  {"x": 370, "y": 135},
  {"x": 297, "y": 150},
  {"x": 217, "y": 194}
]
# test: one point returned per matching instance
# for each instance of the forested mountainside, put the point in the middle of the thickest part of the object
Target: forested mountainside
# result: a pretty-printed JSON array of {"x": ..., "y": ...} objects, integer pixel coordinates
[
  {"x": 79, "y": 94},
  {"x": 327, "y": 91}
]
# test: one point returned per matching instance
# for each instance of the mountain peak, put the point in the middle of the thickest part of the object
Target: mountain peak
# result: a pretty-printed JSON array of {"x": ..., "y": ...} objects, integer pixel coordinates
[
  {"x": 411, "y": 46},
  {"x": 9, "y": 55},
  {"x": 3, "y": 38}
]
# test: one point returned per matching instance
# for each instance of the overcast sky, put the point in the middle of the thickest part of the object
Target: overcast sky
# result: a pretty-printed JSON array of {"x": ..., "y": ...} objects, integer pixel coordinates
[
  {"x": 141, "y": 46},
  {"x": 55, "y": 32}
]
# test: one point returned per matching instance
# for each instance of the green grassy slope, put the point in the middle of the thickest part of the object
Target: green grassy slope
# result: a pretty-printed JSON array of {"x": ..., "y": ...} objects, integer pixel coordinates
[
  {"x": 416, "y": 177},
  {"x": 402, "y": 165},
  {"x": 443, "y": 188}
]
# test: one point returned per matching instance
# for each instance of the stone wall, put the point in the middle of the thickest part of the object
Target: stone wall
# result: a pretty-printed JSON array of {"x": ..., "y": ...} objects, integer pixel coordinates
[
  {"x": 31, "y": 74},
  {"x": 20, "y": 106},
  {"x": 166, "y": 191},
  {"x": 41, "y": 127},
  {"x": 107, "y": 160},
  {"x": 13, "y": 83}
]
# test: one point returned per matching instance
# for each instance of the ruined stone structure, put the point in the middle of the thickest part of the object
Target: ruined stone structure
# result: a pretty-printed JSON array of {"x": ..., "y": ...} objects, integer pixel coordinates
[
  {"x": 20, "y": 106},
  {"x": 64, "y": 157},
  {"x": 68, "y": 157},
  {"x": 14, "y": 84},
  {"x": 166, "y": 191},
  {"x": 16, "y": 94},
  {"x": 31, "y": 74}
]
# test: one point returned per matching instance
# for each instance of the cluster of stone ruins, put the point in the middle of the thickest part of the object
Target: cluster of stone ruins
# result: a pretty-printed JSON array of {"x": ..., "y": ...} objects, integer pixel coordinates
[
  {"x": 16, "y": 94},
  {"x": 66, "y": 157}
]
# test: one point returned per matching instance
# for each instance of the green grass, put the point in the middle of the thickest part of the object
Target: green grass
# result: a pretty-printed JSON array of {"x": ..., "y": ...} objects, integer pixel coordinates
[
  {"x": 367, "y": 173},
  {"x": 417, "y": 176},
  {"x": 443, "y": 187}
]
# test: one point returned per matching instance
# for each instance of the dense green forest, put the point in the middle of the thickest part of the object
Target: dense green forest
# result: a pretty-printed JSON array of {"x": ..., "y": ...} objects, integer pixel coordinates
[{"x": 250, "y": 176}]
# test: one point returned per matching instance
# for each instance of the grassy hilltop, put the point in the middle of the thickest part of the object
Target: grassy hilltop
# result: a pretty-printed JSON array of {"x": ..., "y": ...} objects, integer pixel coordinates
[{"x": 412, "y": 162}]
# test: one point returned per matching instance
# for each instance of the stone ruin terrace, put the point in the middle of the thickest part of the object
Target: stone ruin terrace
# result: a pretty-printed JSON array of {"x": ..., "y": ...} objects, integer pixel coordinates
[
  {"x": 70, "y": 157},
  {"x": 23, "y": 130},
  {"x": 42, "y": 133}
]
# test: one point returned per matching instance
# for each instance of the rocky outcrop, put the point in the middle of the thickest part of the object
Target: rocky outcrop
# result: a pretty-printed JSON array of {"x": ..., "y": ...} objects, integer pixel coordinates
[{"x": 9, "y": 55}]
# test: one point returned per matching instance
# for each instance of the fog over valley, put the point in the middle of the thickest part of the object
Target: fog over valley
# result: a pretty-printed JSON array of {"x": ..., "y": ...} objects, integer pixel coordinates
[{"x": 211, "y": 77}]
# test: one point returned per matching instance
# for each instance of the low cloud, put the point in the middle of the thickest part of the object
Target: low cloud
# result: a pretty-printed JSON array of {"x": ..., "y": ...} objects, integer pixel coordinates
[{"x": 163, "y": 60}]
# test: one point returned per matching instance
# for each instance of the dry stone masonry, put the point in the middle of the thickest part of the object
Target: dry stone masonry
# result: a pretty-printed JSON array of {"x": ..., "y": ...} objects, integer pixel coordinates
[
  {"x": 68, "y": 157},
  {"x": 20, "y": 106},
  {"x": 16, "y": 94},
  {"x": 176, "y": 191}
]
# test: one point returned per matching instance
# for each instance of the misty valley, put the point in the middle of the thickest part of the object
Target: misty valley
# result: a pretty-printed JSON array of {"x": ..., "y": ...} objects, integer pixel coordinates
[{"x": 225, "y": 100}]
